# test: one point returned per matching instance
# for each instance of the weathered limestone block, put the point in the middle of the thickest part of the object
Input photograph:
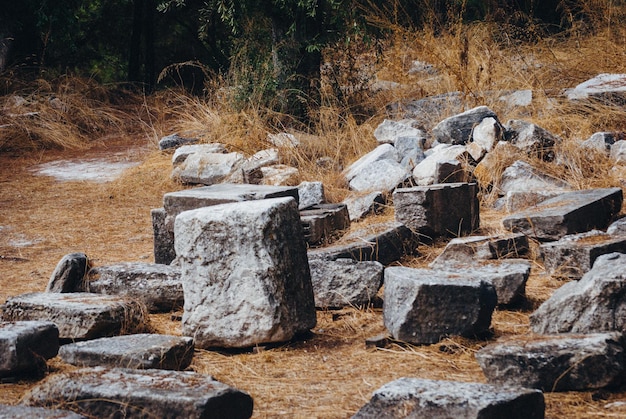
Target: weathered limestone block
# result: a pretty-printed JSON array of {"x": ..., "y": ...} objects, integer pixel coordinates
[
  {"x": 485, "y": 136},
  {"x": 181, "y": 154},
  {"x": 555, "y": 363},
  {"x": 345, "y": 282},
  {"x": 442, "y": 165},
  {"x": 457, "y": 129},
  {"x": 419, "y": 398},
  {"x": 163, "y": 237},
  {"x": 414, "y": 298},
  {"x": 279, "y": 175},
  {"x": 461, "y": 251},
  {"x": 618, "y": 152},
  {"x": 522, "y": 177},
  {"x": 384, "y": 243},
  {"x": 25, "y": 345},
  {"x": 130, "y": 393},
  {"x": 324, "y": 223},
  {"x": 601, "y": 141},
  {"x": 573, "y": 255},
  {"x": 606, "y": 88},
  {"x": 250, "y": 171},
  {"x": 310, "y": 193},
  {"x": 596, "y": 303},
  {"x": 381, "y": 175},
  {"x": 617, "y": 228},
  {"x": 141, "y": 351},
  {"x": 382, "y": 152},
  {"x": 568, "y": 213},
  {"x": 69, "y": 273},
  {"x": 27, "y": 412},
  {"x": 283, "y": 139},
  {"x": 428, "y": 110},
  {"x": 447, "y": 209},
  {"x": 359, "y": 206},
  {"x": 157, "y": 286},
  {"x": 80, "y": 315},
  {"x": 388, "y": 131},
  {"x": 515, "y": 201},
  {"x": 245, "y": 273},
  {"x": 531, "y": 138},
  {"x": 207, "y": 168}
]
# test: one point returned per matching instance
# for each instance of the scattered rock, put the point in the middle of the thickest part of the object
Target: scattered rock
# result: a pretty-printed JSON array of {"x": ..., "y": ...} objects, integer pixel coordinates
[
  {"x": 606, "y": 88},
  {"x": 428, "y": 110},
  {"x": 522, "y": 177},
  {"x": 388, "y": 131},
  {"x": 279, "y": 175},
  {"x": 163, "y": 237},
  {"x": 25, "y": 345},
  {"x": 457, "y": 129},
  {"x": 618, "y": 152},
  {"x": 382, "y": 152},
  {"x": 27, "y": 412},
  {"x": 283, "y": 139},
  {"x": 310, "y": 193},
  {"x": 359, "y": 206},
  {"x": 466, "y": 251},
  {"x": 381, "y": 175},
  {"x": 410, "y": 150},
  {"x": 442, "y": 165},
  {"x": 617, "y": 228},
  {"x": 207, "y": 168},
  {"x": 531, "y": 138},
  {"x": 181, "y": 154},
  {"x": 174, "y": 141},
  {"x": 69, "y": 273},
  {"x": 324, "y": 223},
  {"x": 602, "y": 141}
]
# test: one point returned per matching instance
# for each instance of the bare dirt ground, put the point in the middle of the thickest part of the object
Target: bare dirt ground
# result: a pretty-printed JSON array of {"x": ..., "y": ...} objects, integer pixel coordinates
[{"x": 327, "y": 374}]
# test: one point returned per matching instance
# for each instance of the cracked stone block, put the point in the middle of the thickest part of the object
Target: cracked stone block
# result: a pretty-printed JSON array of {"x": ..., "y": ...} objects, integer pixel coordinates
[
  {"x": 324, "y": 223},
  {"x": 25, "y": 345}
]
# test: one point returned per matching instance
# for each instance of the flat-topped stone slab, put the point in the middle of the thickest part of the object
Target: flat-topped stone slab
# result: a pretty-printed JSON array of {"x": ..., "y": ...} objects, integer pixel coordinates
[
  {"x": 420, "y": 398},
  {"x": 141, "y": 351},
  {"x": 423, "y": 306},
  {"x": 569, "y": 213},
  {"x": 129, "y": 393},
  {"x": 79, "y": 316},
  {"x": 29, "y": 412},
  {"x": 461, "y": 251},
  {"x": 573, "y": 255},
  {"x": 324, "y": 223},
  {"x": 25, "y": 345},
  {"x": 555, "y": 363},
  {"x": 607, "y": 88},
  {"x": 156, "y": 285}
]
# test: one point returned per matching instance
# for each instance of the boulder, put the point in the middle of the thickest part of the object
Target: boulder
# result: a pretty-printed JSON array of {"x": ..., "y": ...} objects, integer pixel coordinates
[
  {"x": 515, "y": 201},
  {"x": 245, "y": 273},
  {"x": 324, "y": 223},
  {"x": 381, "y": 175},
  {"x": 555, "y": 363},
  {"x": 345, "y": 282},
  {"x": 457, "y": 129},
  {"x": 429, "y": 110},
  {"x": 174, "y": 141},
  {"x": 517, "y": 99},
  {"x": 382, "y": 152},
  {"x": 487, "y": 134},
  {"x": 568, "y": 213},
  {"x": 596, "y": 303},
  {"x": 279, "y": 175},
  {"x": 207, "y": 168},
  {"x": 606, "y": 88},
  {"x": 601, "y": 141},
  {"x": 447, "y": 209},
  {"x": 442, "y": 165},
  {"x": 79, "y": 315},
  {"x": 141, "y": 351},
  {"x": 310, "y": 193},
  {"x": 420, "y": 398},
  {"x": 531, "y": 138},
  {"x": 27, "y": 412},
  {"x": 69, "y": 273},
  {"x": 250, "y": 171},
  {"x": 618, "y": 152},
  {"x": 181, "y": 154},
  {"x": 463, "y": 251},
  {"x": 130, "y": 393},
  {"x": 25, "y": 345},
  {"x": 522, "y": 177},
  {"x": 359, "y": 206},
  {"x": 413, "y": 301},
  {"x": 388, "y": 131}
]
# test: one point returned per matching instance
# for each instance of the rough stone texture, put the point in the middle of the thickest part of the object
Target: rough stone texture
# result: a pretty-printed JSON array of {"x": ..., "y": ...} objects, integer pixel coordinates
[
  {"x": 515, "y": 201},
  {"x": 429, "y": 109},
  {"x": 418, "y": 398},
  {"x": 79, "y": 315},
  {"x": 141, "y": 351},
  {"x": 457, "y": 129},
  {"x": 157, "y": 286},
  {"x": 555, "y": 363},
  {"x": 463, "y": 251},
  {"x": 410, "y": 150},
  {"x": 602, "y": 141},
  {"x": 522, "y": 177},
  {"x": 245, "y": 273},
  {"x": 573, "y": 255},
  {"x": 310, "y": 193},
  {"x": 129, "y": 393},
  {"x": 447, "y": 209},
  {"x": 517, "y": 99},
  {"x": 596, "y": 303},
  {"x": 28, "y": 412},
  {"x": 382, "y": 152},
  {"x": 384, "y": 243},
  {"x": 359, "y": 206},
  {"x": 617, "y": 228},
  {"x": 163, "y": 237},
  {"x": 250, "y": 171},
  {"x": 25, "y": 345},
  {"x": 414, "y": 298},
  {"x": 568, "y": 213},
  {"x": 606, "y": 88},
  {"x": 173, "y": 141},
  {"x": 507, "y": 277},
  {"x": 618, "y": 152},
  {"x": 324, "y": 223},
  {"x": 388, "y": 131},
  {"x": 345, "y": 282},
  {"x": 381, "y": 175},
  {"x": 486, "y": 135},
  {"x": 69, "y": 273},
  {"x": 531, "y": 138},
  {"x": 207, "y": 168},
  {"x": 181, "y": 154},
  {"x": 283, "y": 139},
  {"x": 442, "y": 165},
  {"x": 279, "y": 175}
]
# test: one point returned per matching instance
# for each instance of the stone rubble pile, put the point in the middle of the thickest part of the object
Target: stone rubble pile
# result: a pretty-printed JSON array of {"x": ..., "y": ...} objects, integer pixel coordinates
[{"x": 249, "y": 257}]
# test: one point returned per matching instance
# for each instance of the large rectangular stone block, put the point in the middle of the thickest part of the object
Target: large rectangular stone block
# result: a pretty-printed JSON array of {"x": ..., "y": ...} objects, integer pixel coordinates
[{"x": 25, "y": 345}]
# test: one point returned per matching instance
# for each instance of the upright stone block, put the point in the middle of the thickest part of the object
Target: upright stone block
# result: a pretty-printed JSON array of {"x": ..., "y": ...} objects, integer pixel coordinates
[
  {"x": 163, "y": 237},
  {"x": 439, "y": 210},
  {"x": 69, "y": 273},
  {"x": 245, "y": 273},
  {"x": 25, "y": 345}
]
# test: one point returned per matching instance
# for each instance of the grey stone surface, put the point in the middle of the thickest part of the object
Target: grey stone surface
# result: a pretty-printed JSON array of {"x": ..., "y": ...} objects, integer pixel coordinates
[
  {"x": 245, "y": 273},
  {"x": 419, "y": 398},
  {"x": 447, "y": 209},
  {"x": 69, "y": 273},
  {"x": 606, "y": 88},
  {"x": 79, "y": 315},
  {"x": 381, "y": 175},
  {"x": 442, "y": 165},
  {"x": 25, "y": 345},
  {"x": 207, "y": 168},
  {"x": 324, "y": 223},
  {"x": 410, "y": 150},
  {"x": 522, "y": 177},
  {"x": 141, "y": 351},
  {"x": 157, "y": 286},
  {"x": 283, "y": 139},
  {"x": 515, "y": 201},
  {"x": 531, "y": 138},
  {"x": 250, "y": 171},
  {"x": 618, "y": 152},
  {"x": 382, "y": 152},
  {"x": 463, "y": 251},
  {"x": 568, "y": 213},
  {"x": 181, "y": 154},
  {"x": 414, "y": 298},
  {"x": 345, "y": 282},
  {"x": 279, "y": 175},
  {"x": 173, "y": 141},
  {"x": 28, "y": 412},
  {"x": 359, "y": 206},
  {"x": 129, "y": 393},
  {"x": 596, "y": 303},
  {"x": 457, "y": 129},
  {"x": 388, "y": 131},
  {"x": 617, "y": 228},
  {"x": 163, "y": 237},
  {"x": 384, "y": 243},
  {"x": 487, "y": 133},
  {"x": 555, "y": 363},
  {"x": 310, "y": 193},
  {"x": 517, "y": 99},
  {"x": 601, "y": 141},
  {"x": 429, "y": 110},
  {"x": 573, "y": 255}
]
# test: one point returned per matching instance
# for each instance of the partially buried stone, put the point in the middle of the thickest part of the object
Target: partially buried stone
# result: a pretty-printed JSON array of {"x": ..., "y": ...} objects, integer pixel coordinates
[{"x": 69, "y": 273}]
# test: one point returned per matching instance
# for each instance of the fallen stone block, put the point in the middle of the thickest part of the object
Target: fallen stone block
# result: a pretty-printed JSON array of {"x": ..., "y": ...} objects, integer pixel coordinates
[
  {"x": 69, "y": 273},
  {"x": 310, "y": 193},
  {"x": 568, "y": 213},
  {"x": 429, "y": 109},
  {"x": 531, "y": 138},
  {"x": 245, "y": 273},
  {"x": 181, "y": 154},
  {"x": 573, "y": 255},
  {"x": 487, "y": 134},
  {"x": 381, "y": 175},
  {"x": 382, "y": 152},
  {"x": 461, "y": 251},
  {"x": 279, "y": 175},
  {"x": 617, "y": 228},
  {"x": 442, "y": 165},
  {"x": 410, "y": 150},
  {"x": 555, "y": 363},
  {"x": 419, "y": 398},
  {"x": 618, "y": 152},
  {"x": 25, "y": 345},
  {"x": 28, "y": 412},
  {"x": 413, "y": 301},
  {"x": 283, "y": 139},
  {"x": 596, "y": 303},
  {"x": 324, "y": 223},
  {"x": 345, "y": 282},
  {"x": 129, "y": 393},
  {"x": 607, "y": 88},
  {"x": 141, "y": 351},
  {"x": 447, "y": 209},
  {"x": 157, "y": 286},
  {"x": 359, "y": 206},
  {"x": 602, "y": 141},
  {"x": 457, "y": 129},
  {"x": 207, "y": 168},
  {"x": 384, "y": 243},
  {"x": 515, "y": 201},
  {"x": 388, "y": 131},
  {"x": 79, "y": 316},
  {"x": 522, "y": 177}
]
